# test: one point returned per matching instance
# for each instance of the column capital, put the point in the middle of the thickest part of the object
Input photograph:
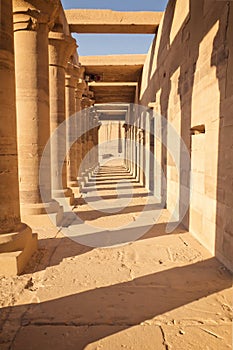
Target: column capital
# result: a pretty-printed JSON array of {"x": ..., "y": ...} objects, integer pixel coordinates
[
  {"x": 72, "y": 75},
  {"x": 61, "y": 47},
  {"x": 90, "y": 94},
  {"x": 96, "y": 121},
  {"x": 87, "y": 102},
  {"x": 88, "y": 99},
  {"x": 92, "y": 121},
  {"x": 28, "y": 14},
  {"x": 80, "y": 87},
  {"x": 91, "y": 101}
]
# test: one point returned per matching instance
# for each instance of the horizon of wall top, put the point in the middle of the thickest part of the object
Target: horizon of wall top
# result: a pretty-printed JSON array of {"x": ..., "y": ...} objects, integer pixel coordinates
[{"x": 112, "y": 22}]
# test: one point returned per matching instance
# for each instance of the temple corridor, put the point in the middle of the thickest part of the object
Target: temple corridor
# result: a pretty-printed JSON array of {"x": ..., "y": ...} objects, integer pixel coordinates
[
  {"x": 163, "y": 291},
  {"x": 116, "y": 176}
]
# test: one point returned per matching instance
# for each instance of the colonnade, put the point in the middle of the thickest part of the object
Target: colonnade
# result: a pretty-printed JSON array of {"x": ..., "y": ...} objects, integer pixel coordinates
[
  {"x": 139, "y": 143},
  {"x": 41, "y": 85}
]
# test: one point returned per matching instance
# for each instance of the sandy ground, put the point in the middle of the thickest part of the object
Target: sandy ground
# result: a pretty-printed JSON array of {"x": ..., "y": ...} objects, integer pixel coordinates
[{"x": 162, "y": 291}]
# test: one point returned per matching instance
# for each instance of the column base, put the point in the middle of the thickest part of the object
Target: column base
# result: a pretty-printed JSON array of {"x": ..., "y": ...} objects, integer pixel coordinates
[
  {"x": 82, "y": 180},
  {"x": 16, "y": 249},
  {"x": 96, "y": 170},
  {"x": 67, "y": 193},
  {"x": 39, "y": 208},
  {"x": 82, "y": 186},
  {"x": 73, "y": 183},
  {"x": 77, "y": 193},
  {"x": 85, "y": 179},
  {"x": 42, "y": 214},
  {"x": 78, "y": 189}
]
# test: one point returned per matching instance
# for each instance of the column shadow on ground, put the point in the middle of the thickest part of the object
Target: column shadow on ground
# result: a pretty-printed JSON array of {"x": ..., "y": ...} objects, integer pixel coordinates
[{"x": 104, "y": 311}]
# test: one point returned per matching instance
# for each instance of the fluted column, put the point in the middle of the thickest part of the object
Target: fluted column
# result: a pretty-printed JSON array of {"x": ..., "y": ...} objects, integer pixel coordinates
[
  {"x": 61, "y": 48},
  {"x": 31, "y": 26},
  {"x": 72, "y": 73},
  {"x": 16, "y": 240}
]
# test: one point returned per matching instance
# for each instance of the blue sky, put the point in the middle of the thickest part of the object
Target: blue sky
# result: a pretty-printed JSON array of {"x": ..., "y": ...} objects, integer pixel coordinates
[{"x": 110, "y": 44}]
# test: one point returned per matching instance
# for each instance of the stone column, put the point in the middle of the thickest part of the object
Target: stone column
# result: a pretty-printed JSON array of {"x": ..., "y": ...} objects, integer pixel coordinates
[
  {"x": 61, "y": 48},
  {"x": 72, "y": 73},
  {"x": 84, "y": 138},
  {"x": 96, "y": 141},
  {"x": 31, "y": 26},
  {"x": 81, "y": 85},
  {"x": 17, "y": 243},
  {"x": 90, "y": 142},
  {"x": 87, "y": 103},
  {"x": 90, "y": 131}
]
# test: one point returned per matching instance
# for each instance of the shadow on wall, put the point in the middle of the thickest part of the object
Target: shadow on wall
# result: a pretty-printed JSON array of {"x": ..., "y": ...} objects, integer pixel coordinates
[
  {"x": 183, "y": 54},
  {"x": 107, "y": 310}
]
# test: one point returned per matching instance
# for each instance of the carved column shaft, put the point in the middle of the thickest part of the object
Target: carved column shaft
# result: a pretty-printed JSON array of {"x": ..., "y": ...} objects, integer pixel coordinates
[
  {"x": 32, "y": 101},
  {"x": 84, "y": 135},
  {"x": 60, "y": 49},
  {"x": 16, "y": 240},
  {"x": 72, "y": 73},
  {"x": 92, "y": 140},
  {"x": 90, "y": 136},
  {"x": 96, "y": 141},
  {"x": 80, "y": 127},
  {"x": 90, "y": 143},
  {"x": 86, "y": 103},
  {"x": 9, "y": 191}
]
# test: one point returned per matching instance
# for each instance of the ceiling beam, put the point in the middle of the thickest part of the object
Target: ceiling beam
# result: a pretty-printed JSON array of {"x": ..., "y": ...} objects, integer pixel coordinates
[{"x": 119, "y": 84}]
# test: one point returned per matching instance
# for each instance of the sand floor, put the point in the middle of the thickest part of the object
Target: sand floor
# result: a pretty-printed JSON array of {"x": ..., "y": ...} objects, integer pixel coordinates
[{"x": 159, "y": 291}]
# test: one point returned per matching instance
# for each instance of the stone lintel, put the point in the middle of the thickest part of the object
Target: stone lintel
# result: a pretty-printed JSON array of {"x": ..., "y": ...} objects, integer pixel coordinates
[
  {"x": 119, "y": 84},
  {"x": 113, "y": 60},
  {"x": 108, "y": 21}
]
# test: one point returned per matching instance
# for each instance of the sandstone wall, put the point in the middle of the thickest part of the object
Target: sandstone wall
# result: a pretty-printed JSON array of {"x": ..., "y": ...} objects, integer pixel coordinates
[{"x": 189, "y": 75}]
